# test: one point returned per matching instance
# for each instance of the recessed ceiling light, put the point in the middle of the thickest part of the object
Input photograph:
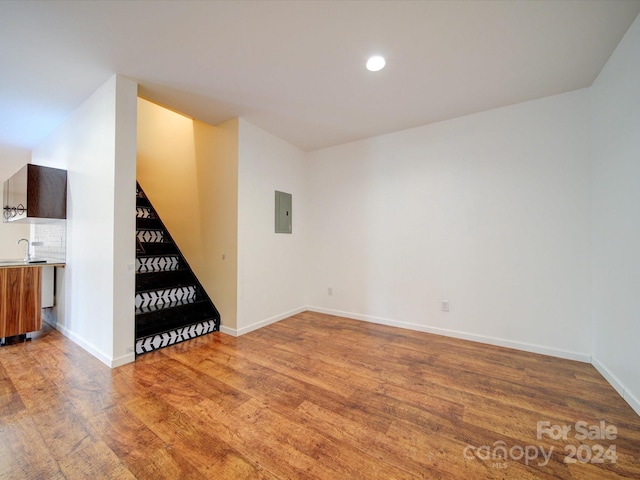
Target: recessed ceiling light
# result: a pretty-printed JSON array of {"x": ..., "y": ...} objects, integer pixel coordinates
[{"x": 375, "y": 63}]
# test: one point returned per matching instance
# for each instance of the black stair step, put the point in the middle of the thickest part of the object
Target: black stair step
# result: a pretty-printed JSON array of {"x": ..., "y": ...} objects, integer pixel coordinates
[
  {"x": 156, "y": 235},
  {"x": 156, "y": 249},
  {"x": 148, "y": 268},
  {"x": 146, "y": 281},
  {"x": 140, "y": 255},
  {"x": 165, "y": 306},
  {"x": 157, "y": 229},
  {"x": 142, "y": 202},
  {"x": 178, "y": 335},
  {"x": 151, "y": 255},
  {"x": 157, "y": 321},
  {"x": 148, "y": 224}
]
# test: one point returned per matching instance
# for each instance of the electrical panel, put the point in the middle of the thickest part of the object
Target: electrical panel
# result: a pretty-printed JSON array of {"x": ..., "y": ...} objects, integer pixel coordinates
[{"x": 283, "y": 212}]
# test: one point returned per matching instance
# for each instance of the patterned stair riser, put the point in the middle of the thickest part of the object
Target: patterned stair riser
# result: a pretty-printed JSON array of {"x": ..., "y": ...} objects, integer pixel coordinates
[
  {"x": 156, "y": 264},
  {"x": 150, "y": 236},
  {"x": 169, "y": 295},
  {"x": 144, "y": 212},
  {"x": 163, "y": 306},
  {"x": 160, "y": 340}
]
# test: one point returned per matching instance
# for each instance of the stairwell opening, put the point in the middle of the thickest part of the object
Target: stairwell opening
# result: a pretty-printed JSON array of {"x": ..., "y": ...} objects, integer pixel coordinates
[{"x": 171, "y": 304}]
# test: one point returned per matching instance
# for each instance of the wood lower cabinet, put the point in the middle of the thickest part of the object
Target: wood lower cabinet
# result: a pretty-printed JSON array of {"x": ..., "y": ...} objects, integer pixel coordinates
[{"x": 20, "y": 300}]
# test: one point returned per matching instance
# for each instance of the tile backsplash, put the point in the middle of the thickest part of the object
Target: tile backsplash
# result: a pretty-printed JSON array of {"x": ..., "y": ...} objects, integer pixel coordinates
[{"x": 49, "y": 240}]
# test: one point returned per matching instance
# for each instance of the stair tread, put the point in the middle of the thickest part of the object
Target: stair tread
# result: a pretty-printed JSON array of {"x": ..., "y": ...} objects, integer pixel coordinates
[
  {"x": 179, "y": 277},
  {"x": 157, "y": 249},
  {"x": 149, "y": 323},
  {"x": 169, "y": 305},
  {"x": 151, "y": 281},
  {"x": 163, "y": 271},
  {"x": 148, "y": 224},
  {"x": 169, "y": 330},
  {"x": 197, "y": 304}
]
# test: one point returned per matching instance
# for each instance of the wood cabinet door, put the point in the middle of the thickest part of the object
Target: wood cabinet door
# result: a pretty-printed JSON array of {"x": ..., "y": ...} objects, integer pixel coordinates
[{"x": 20, "y": 300}]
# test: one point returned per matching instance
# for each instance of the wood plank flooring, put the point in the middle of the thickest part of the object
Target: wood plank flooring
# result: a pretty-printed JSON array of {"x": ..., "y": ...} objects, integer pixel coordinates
[{"x": 311, "y": 397}]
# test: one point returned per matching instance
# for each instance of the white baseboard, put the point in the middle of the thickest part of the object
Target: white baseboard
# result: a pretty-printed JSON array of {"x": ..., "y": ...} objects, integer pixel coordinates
[
  {"x": 123, "y": 360},
  {"x": 617, "y": 385},
  {"x": 107, "y": 360},
  {"x": 262, "y": 323},
  {"x": 500, "y": 342},
  {"x": 610, "y": 377},
  {"x": 228, "y": 330}
]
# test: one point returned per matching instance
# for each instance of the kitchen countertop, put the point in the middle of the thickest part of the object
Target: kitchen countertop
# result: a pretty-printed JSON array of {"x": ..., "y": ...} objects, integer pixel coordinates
[{"x": 22, "y": 264}]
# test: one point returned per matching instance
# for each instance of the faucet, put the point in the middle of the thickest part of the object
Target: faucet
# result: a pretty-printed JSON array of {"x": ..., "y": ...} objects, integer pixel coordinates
[{"x": 27, "y": 256}]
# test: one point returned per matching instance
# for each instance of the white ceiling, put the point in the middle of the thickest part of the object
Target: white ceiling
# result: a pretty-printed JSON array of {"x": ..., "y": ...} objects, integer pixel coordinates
[{"x": 296, "y": 68}]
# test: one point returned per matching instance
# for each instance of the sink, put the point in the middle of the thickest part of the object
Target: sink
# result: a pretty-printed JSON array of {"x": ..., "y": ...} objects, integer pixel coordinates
[{"x": 21, "y": 262}]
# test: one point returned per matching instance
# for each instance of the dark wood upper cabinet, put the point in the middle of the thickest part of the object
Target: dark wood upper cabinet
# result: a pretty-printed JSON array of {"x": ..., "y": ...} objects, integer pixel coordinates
[{"x": 35, "y": 192}]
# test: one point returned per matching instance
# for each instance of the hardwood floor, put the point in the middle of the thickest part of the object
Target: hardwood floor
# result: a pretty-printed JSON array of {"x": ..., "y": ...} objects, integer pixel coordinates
[{"x": 311, "y": 397}]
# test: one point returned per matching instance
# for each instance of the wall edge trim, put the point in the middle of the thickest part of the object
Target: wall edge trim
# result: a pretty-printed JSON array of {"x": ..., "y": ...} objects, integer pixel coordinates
[
  {"x": 618, "y": 386},
  {"x": 122, "y": 360},
  {"x": 269, "y": 321},
  {"x": 228, "y": 330},
  {"x": 499, "y": 342},
  {"x": 81, "y": 342}
]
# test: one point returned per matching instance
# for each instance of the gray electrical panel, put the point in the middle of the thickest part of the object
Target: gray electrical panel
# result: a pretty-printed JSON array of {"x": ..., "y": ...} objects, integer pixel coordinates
[{"x": 283, "y": 212}]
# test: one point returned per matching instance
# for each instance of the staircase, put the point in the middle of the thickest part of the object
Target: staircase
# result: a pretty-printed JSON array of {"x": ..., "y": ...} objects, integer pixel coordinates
[{"x": 171, "y": 305}]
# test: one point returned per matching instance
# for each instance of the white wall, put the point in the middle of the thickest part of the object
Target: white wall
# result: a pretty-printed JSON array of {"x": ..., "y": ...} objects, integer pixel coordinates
[
  {"x": 96, "y": 145},
  {"x": 615, "y": 171},
  {"x": 488, "y": 211},
  {"x": 12, "y": 159},
  {"x": 271, "y": 267}
]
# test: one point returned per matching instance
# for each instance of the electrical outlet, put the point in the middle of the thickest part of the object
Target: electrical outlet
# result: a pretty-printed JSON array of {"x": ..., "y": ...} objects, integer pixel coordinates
[
  {"x": 329, "y": 291},
  {"x": 444, "y": 305}
]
